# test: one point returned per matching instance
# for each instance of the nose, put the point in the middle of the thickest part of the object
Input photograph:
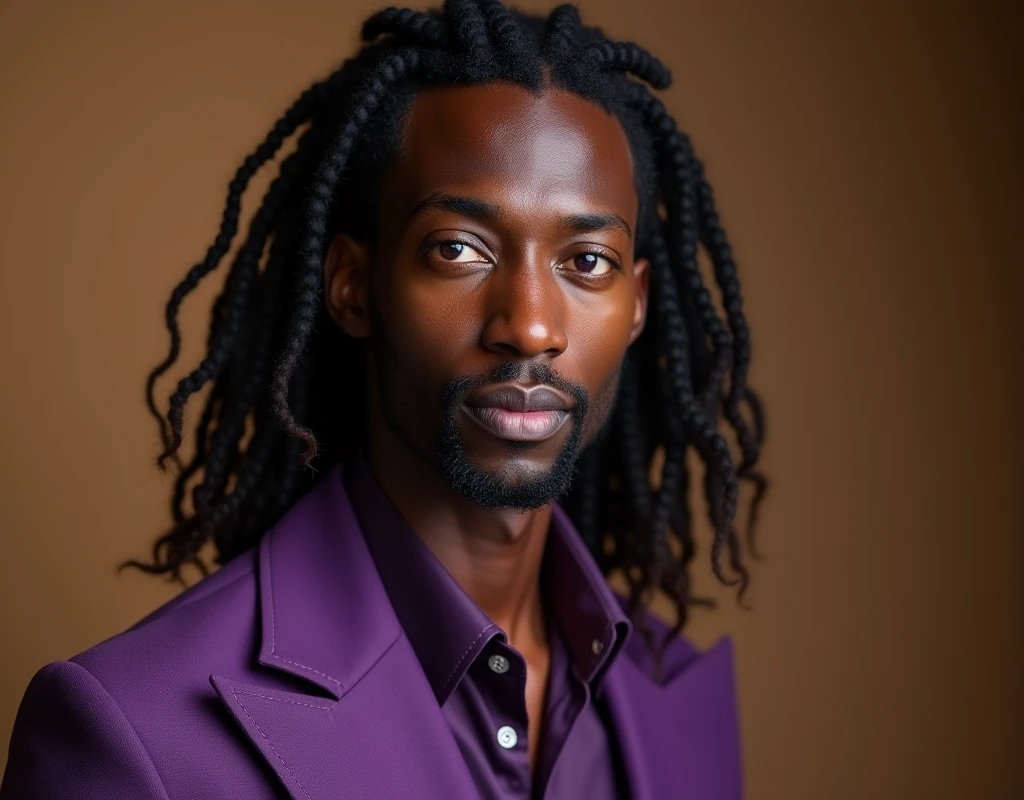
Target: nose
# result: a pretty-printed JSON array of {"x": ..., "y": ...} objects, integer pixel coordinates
[{"x": 525, "y": 311}]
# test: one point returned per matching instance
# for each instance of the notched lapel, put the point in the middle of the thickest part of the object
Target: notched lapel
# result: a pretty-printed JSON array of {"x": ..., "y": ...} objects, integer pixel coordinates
[
  {"x": 379, "y": 741},
  {"x": 681, "y": 738},
  {"x": 277, "y": 721}
]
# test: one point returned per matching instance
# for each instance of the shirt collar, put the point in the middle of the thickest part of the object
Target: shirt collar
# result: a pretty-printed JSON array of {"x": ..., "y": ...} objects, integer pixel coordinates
[{"x": 446, "y": 628}]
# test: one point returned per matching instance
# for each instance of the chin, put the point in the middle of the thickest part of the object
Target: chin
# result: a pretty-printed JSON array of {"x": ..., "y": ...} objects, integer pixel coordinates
[
  {"x": 513, "y": 479},
  {"x": 515, "y": 470}
]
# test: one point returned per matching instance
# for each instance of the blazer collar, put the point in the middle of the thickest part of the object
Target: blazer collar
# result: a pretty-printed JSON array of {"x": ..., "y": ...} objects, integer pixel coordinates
[{"x": 325, "y": 614}]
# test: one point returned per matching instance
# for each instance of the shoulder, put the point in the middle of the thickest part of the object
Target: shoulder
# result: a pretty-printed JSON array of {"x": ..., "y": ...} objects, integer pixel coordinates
[
  {"x": 86, "y": 728},
  {"x": 120, "y": 718},
  {"x": 215, "y": 615},
  {"x": 166, "y": 658},
  {"x": 71, "y": 739}
]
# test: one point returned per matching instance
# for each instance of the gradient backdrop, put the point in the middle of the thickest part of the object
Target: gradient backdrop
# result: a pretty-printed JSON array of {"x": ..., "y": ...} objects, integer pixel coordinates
[{"x": 865, "y": 159}]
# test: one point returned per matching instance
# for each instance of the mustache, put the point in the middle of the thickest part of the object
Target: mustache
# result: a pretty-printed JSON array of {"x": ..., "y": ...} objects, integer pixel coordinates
[{"x": 520, "y": 372}]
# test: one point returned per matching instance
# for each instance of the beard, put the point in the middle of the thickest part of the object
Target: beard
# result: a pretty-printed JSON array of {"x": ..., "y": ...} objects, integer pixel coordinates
[{"x": 508, "y": 489}]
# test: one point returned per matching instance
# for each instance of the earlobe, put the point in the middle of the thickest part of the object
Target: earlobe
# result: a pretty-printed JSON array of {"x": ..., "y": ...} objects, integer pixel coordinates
[
  {"x": 641, "y": 282},
  {"x": 347, "y": 285}
]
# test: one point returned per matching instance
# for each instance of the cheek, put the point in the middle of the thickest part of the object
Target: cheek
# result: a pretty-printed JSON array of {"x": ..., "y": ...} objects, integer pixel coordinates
[
  {"x": 597, "y": 348},
  {"x": 416, "y": 342},
  {"x": 426, "y": 326},
  {"x": 598, "y": 338}
]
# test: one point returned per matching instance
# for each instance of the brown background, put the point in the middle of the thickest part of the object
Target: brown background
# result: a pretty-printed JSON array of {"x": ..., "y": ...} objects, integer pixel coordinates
[{"x": 865, "y": 158}]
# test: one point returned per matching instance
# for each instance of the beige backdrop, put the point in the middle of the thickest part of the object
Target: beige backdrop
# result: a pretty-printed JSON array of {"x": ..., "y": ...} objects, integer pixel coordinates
[{"x": 865, "y": 158}]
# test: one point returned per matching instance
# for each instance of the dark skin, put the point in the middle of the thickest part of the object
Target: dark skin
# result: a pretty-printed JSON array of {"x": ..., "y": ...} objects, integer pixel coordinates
[{"x": 540, "y": 269}]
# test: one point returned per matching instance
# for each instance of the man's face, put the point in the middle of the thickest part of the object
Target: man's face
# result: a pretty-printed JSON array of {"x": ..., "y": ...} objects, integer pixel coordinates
[{"x": 503, "y": 293}]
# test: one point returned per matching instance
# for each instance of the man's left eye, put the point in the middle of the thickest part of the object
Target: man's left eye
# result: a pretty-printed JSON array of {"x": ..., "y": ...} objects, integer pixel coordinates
[{"x": 592, "y": 264}]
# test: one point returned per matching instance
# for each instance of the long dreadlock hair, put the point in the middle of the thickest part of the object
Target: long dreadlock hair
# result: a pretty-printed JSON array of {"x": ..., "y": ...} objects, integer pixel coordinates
[{"x": 284, "y": 377}]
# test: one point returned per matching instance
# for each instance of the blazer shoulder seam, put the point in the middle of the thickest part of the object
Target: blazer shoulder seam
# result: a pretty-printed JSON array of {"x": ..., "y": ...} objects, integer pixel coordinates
[{"x": 128, "y": 723}]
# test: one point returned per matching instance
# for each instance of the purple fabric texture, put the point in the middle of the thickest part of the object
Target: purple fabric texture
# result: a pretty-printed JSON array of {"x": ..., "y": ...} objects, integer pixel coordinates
[
  {"x": 286, "y": 674},
  {"x": 456, "y": 643}
]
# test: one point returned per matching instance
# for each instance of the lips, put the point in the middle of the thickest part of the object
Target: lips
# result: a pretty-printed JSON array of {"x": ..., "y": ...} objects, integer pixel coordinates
[{"x": 519, "y": 413}]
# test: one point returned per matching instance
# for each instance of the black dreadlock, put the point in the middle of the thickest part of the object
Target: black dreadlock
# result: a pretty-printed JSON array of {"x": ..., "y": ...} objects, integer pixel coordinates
[{"x": 278, "y": 393}]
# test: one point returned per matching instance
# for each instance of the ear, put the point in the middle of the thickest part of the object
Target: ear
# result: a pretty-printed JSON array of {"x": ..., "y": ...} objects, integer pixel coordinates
[
  {"x": 347, "y": 285},
  {"x": 641, "y": 283}
]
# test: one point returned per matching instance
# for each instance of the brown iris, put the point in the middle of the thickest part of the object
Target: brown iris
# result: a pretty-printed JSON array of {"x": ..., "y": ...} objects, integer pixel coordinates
[{"x": 450, "y": 251}]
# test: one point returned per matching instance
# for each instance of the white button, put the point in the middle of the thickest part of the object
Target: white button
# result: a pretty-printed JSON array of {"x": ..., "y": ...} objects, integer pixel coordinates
[
  {"x": 597, "y": 647},
  {"x": 498, "y": 664},
  {"x": 507, "y": 737}
]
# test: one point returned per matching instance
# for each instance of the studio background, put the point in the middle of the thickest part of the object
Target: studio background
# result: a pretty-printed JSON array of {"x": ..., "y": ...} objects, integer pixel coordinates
[{"x": 865, "y": 161}]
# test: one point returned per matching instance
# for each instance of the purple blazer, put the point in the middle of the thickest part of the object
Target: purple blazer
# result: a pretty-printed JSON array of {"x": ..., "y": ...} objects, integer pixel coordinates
[{"x": 286, "y": 674}]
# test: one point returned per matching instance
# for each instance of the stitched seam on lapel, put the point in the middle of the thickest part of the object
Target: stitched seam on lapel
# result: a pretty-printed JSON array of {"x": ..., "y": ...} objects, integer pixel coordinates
[
  {"x": 464, "y": 655},
  {"x": 280, "y": 700},
  {"x": 273, "y": 635},
  {"x": 269, "y": 744},
  {"x": 380, "y": 658}
]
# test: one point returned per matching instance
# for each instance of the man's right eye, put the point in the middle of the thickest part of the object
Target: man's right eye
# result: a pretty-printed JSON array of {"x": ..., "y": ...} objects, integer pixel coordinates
[{"x": 456, "y": 251}]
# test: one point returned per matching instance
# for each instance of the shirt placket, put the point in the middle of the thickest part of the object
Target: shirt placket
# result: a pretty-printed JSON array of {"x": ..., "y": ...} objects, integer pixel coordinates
[{"x": 501, "y": 672}]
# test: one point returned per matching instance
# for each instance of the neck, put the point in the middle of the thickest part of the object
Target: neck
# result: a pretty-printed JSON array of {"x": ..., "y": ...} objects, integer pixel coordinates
[{"x": 495, "y": 555}]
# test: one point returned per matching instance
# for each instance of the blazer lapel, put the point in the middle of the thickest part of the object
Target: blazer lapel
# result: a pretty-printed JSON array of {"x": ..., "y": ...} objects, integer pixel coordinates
[
  {"x": 371, "y": 726},
  {"x": 680, "y": 738},
  {"x": 380, "y": 740}
]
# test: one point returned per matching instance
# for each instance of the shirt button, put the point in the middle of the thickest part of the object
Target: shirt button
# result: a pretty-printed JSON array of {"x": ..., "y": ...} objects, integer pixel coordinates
[
  {"x": 597, "y": 647},
  {"x": 498, "y": 664},
  {"x": 507, "y": 737}
]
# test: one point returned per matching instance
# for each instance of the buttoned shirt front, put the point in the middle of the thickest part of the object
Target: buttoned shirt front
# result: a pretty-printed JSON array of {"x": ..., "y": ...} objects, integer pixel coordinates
[{"x": 479, "y": 679}]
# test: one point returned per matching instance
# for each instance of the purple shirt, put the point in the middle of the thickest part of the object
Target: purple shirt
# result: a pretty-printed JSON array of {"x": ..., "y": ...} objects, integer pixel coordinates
[{"x": 480, "y": 680}]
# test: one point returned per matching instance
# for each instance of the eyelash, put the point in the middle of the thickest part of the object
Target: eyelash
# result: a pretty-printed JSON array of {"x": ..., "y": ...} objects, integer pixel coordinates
[{"x": 594, "y": 250}]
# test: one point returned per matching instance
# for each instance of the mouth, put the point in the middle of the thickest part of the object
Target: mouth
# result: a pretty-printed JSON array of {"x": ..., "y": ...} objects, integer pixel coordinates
[
  {"x": 518, "y": 413},
  {"x": 518, "y": 426}
]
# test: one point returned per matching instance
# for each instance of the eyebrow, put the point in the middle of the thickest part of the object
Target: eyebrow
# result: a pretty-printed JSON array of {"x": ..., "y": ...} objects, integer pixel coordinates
[
  {"x": 483, "y": 211},
  {"x": 456, "y": 204},
  {"x": 586, "y": 223}
]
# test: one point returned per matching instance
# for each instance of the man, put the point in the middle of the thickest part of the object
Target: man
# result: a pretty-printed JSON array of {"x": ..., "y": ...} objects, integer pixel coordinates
[{"x": 449, "y": 334}]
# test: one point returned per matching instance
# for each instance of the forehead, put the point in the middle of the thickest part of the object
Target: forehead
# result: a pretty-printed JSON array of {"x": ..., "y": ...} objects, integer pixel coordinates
[{"x": 515, "y": 147}]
